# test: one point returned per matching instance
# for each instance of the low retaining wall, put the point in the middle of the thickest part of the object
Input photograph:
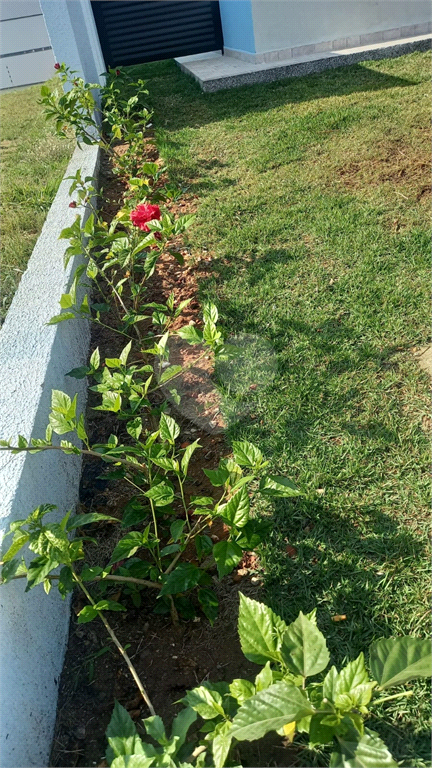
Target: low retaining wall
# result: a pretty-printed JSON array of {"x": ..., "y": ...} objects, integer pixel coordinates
[{"x": 34, "y": 359}]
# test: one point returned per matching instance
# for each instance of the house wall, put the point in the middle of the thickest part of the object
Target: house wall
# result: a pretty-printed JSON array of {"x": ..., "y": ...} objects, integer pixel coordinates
[
  {"x": 280, "y": 24},
  {"x": 26, "y": 56},
  {"x": 237, "y": 25},
  {"x": 74, "y": 38}
]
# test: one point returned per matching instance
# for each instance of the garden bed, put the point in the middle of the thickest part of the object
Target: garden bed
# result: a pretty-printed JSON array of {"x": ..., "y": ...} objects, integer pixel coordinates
[{"x": 169, "y": 659}]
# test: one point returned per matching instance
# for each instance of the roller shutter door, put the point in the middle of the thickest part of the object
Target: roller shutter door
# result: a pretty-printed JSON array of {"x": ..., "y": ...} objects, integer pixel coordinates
[{"x": 151, "y": 30}]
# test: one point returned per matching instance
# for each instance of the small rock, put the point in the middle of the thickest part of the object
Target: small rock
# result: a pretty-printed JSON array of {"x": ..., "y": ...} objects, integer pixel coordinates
[{"x": 256, "y": 580}]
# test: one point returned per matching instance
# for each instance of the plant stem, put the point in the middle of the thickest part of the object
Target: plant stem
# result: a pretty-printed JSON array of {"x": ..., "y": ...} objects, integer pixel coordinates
[
  {"x": 159, "y": 564},
  {"x": 117, "y": 643},
  {"x": 103, "y": 456},
  {"x": 394, "y": 696},
  {"x": 184, "y": 503},
  {"x": 109, "y": 577},
  {"x": 195, "y": 531}
]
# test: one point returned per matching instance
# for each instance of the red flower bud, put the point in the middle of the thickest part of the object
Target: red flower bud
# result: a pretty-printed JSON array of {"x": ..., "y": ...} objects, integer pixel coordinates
[
  {"x": 72, "y": 204},
  {"x": 118, "y": 72},
  {"x": 57, "y": 66}
]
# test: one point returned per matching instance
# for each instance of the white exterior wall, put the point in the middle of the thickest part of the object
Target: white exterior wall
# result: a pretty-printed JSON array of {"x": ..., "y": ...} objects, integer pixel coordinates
[
  {"x": 281, "y": 24},
  {"x": 74, "y": 38},
  {"x": 25, "y": 50},
  {"x": 34, "y": 358}
]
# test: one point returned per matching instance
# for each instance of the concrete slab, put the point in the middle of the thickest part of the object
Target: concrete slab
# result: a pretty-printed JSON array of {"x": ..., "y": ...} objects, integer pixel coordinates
[{"x": 218, "y": 72}]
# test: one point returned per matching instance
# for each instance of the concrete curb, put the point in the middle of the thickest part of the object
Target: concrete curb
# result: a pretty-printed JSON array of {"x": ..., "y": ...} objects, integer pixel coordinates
[
  {"x": 268, "y": 74},
  {"x": 34, "y": 359}
]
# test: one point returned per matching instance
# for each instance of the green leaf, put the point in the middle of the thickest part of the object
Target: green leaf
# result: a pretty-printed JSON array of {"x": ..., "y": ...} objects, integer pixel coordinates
[
  {"x": 278, "y": 487},
  {"x": 218, "y": 476},
  {"x": 190, "y": 334},
  {"x": 169, "y": 550},
  {"x": 134, "y": 427},
  {"x": 169, "y": 429},
  {"x": 176, "y": 529},
  {"x": 95, "y": 361},
  {"x": 89, "y": 225},
  {"x": 133, "y": 760},
  {"x": 209, "y": 604},
  {"x": 221, "y": 744},
  {"x": 202, "y": 501},
  {"x": 260, "y": 631},
  {"x": 121, "y": 732},
  {"x": 134, "y": 513},
  {"x": 227, "y": 555},
  {"x": 60, "y": 318},
  {"x": 66, "y": 582},
  {"x": 366, "y": 752},
  {"x": 264, "y": 679},
  {"x": 66, "y": 301},
  {"x": 269, "y": 710},
  {"x": 189, "y": 450},
  {"x": 236, "y": 511},
  {"x": 90, "y": 517},
  {"x": 330, "y": 684},
  {"x": 113, "y": 362},
  {"x": 111, "y": 401},
  {"x": 304, "y": 648},
  {"x": 351, "y": 687},
  {"x": 79, "y": 373},
  {"x": 319, "y": 732},
  {"x": 155, "y": 728},
  {"x": 206, "y": 701},
  {"x": 80, "y": 430},
  {"x": 60, "y": 402},
  {"x": 169, "y": 373},
  {"x": 39, "y": 569},
  {"x": 127, "y": 546},
  {"x": 241, "y": 690},
  {"x": 13, "y": 568},
  {"x": 161, "y": 494},
  {"x": 181, "y": 725},
  {"x": 181, "y": 579},
  {"x": 352, "y": 675},
  {"x": 109, "y": 605},
  {"x": 125, "y": 353},
  {"x": 18, "y": 541},
  {"x": 90, "y": 573},
  {"x": 247, "y": 455},
  {"x": 210, "y": 313},
  {"x": 88, "y": 613},
  {"x": 394, "y": 661}
]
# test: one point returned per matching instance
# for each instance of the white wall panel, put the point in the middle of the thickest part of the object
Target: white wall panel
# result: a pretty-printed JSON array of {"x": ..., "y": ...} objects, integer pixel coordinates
[
  {"x": 23, "y": 34},
  {"x": 27, "y": 69}
]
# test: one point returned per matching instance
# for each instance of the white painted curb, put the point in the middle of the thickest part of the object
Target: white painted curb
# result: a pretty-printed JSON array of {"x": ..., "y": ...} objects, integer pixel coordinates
[{"x": 34, "y": 359}]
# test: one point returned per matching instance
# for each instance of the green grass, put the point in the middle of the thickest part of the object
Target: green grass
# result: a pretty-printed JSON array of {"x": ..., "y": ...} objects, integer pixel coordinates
[
  {"x": 313, "y": 209},
  {"x": 33, "y": 164}
]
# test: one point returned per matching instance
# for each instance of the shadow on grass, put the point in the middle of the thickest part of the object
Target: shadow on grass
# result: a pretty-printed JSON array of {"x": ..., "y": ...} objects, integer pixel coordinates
[{"x": 168, "y": 86}]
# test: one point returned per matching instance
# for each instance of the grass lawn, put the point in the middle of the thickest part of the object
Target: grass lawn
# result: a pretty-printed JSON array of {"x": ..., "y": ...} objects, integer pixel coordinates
[
  {"x": 313, "y": 206},
  {"x": 33, "y": 164}
]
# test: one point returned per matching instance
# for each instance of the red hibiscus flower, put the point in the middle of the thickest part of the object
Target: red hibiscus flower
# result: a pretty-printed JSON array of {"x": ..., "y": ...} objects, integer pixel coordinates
[
  {"x": 144, "y": 213},
  {"x": 72, "y": 204}
]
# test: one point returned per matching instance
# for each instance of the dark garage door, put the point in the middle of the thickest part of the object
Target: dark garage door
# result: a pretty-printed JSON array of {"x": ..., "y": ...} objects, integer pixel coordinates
[{"x": 151, "y": 30}]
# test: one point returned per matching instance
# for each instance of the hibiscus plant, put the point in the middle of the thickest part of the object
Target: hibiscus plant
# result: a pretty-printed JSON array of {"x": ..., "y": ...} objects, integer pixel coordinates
[{"x": 289, "y": 695}]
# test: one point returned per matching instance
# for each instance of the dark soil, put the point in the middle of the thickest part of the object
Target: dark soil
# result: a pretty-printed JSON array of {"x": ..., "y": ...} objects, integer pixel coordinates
[{"x": 169, "y": 659}]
